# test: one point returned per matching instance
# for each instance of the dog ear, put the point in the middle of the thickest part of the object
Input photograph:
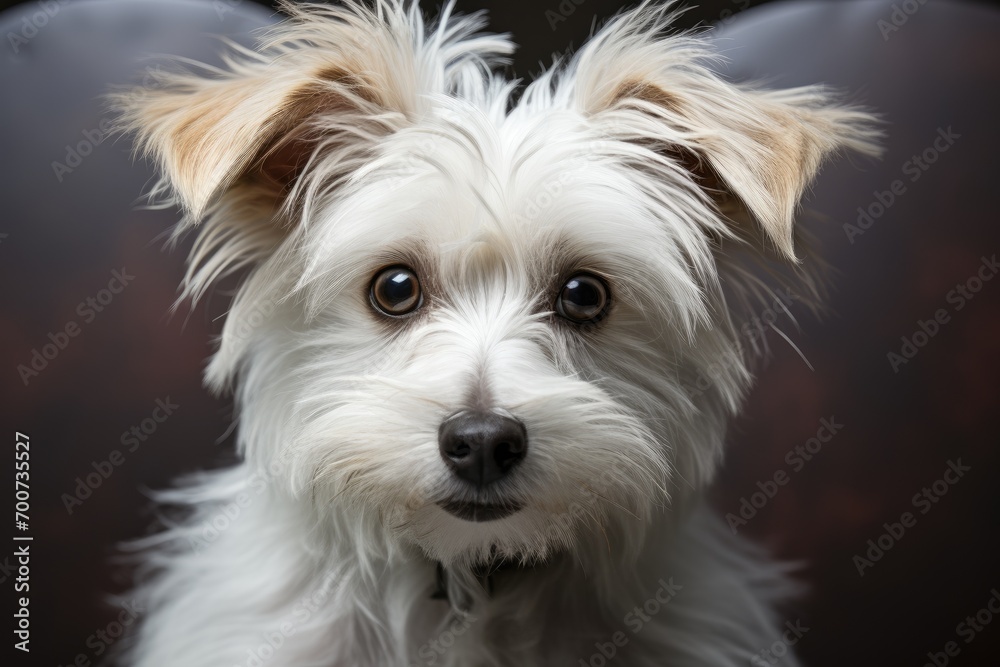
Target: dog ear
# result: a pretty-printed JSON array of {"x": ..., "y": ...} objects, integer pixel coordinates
[
  {"x": 755, "y": 151},
  {"x": 259, "y": 117},
  {"x": 324, "y": 86}
]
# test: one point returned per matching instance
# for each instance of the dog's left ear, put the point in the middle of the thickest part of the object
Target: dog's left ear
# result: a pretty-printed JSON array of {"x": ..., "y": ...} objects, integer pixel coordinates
[{"x": 755, "y": 151}]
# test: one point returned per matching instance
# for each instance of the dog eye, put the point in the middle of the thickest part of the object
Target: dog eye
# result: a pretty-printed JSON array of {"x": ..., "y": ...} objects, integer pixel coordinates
[
  {"x": 395, "y": 291},
  {"x": 583, "y": 299}
]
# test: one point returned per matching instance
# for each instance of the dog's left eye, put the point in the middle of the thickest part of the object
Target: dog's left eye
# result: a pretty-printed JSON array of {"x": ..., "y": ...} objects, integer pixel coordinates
[
  {"x": 395, "y": 291},
  {"x": 584, "y": 298}
]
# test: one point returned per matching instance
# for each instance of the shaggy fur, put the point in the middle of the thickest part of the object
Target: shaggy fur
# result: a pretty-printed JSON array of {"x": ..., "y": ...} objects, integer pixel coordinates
[{"x": 356, "y": 138}]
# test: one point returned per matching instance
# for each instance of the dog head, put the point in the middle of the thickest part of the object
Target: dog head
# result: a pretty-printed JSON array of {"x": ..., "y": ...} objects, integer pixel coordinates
[{"x": 471, "y": 324}]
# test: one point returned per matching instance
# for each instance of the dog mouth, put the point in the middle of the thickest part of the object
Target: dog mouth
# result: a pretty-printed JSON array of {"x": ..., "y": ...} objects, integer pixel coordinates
[{"x": 479, "y": 512}]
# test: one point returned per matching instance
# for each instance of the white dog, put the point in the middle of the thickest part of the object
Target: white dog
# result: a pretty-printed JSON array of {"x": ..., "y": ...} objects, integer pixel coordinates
[{"x": 471, "y": 347}]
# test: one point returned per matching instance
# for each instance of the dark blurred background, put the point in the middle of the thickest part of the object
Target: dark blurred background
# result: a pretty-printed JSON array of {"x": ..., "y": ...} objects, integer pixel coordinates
[
  {"x": 934, "y": 73},
  {"x": 529, "y": 23}
]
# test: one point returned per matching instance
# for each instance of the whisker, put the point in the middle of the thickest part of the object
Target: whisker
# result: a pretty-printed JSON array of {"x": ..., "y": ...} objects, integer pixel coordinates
[
  {"x": 608, "y": 500},
  {"x": 794, "y": 347}
]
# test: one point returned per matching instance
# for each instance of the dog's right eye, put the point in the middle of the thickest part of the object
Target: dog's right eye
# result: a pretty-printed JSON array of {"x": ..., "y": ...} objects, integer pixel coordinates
[{"x": 395, "y": 291}]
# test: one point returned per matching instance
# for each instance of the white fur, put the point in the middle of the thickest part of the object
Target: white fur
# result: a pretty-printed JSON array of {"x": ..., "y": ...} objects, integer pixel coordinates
[{"x": 409, "y": 150}]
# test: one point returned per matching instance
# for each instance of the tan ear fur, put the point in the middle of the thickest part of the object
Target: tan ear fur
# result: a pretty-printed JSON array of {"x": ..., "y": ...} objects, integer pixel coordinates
[
  {"x": 761, "y": 148},
  {"x": 207, "y": 132}
]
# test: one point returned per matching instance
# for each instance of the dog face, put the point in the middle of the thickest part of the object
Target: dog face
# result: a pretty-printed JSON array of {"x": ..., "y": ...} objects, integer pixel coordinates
[{"x": 470, "y": 325}]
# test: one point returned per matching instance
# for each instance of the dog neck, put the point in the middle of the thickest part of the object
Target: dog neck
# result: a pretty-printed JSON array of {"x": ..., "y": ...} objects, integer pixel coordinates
[{"x": 485, "y": 573}]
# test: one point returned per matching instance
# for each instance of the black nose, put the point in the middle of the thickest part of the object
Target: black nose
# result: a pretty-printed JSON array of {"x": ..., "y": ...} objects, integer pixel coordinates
[{"x": 482, "y": 447}]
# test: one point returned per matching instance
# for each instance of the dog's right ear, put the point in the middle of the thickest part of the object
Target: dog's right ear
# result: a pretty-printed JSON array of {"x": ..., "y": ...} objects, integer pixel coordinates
[
  {"x": 232, "y": 144},
  {"x": 324, "y": 74}
]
